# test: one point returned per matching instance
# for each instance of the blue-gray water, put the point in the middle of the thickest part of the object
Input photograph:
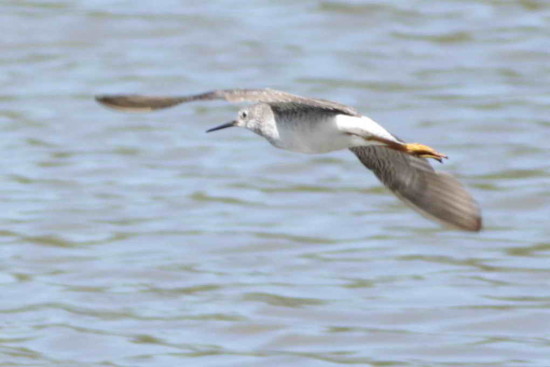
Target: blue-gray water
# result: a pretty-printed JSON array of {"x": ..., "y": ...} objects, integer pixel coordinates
[{"x": 139, "y": 240}]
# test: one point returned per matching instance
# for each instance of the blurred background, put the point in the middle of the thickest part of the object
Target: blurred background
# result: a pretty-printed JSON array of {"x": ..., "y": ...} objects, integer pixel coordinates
[{"x": 139, "y": 240}]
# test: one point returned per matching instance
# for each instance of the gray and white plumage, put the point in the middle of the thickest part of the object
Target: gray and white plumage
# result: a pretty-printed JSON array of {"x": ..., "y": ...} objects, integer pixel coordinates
[
  {"x": 138, "y": 103},
  {"x": 310, "y": 125}
]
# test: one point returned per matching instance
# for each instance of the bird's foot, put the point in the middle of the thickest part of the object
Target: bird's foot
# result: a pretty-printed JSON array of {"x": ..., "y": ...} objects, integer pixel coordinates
[{"x": 423, "y": 151}]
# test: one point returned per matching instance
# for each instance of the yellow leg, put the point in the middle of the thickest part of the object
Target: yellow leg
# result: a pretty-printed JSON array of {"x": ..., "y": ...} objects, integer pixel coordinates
[
  {"x": 423, "y": 151},
  {"x": 416, "y": 149}
]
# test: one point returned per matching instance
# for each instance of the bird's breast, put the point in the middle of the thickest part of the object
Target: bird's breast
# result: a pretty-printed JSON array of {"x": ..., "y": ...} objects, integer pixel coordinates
[{"x": 305, "y": 135}]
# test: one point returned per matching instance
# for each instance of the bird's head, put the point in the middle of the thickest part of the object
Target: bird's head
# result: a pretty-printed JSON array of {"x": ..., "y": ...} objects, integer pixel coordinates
[{"x": 252, "y": 118}]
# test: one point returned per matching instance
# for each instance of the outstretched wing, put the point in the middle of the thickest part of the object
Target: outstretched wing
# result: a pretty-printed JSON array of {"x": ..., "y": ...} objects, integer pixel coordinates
[
  {"x": 436, "y": 195},
  {"x": 137, "y": 103}
]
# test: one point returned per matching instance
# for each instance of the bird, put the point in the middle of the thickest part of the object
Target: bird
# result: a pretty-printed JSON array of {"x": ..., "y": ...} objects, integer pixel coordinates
[{"x": 312, "y": 125}]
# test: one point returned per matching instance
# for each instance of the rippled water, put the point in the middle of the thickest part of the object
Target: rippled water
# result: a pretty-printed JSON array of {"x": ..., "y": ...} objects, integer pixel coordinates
[{"x": 139, "y": 240}]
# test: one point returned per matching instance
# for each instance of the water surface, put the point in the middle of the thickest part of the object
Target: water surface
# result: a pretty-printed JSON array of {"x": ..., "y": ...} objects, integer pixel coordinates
[{"x": 139, "y": 240}]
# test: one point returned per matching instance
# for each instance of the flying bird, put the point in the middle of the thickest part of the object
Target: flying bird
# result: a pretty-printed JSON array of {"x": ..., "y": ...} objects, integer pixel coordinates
[{"x": 311, "y": 125}]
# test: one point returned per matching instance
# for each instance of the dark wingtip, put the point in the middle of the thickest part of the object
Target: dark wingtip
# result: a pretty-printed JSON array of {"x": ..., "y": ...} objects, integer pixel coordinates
[
  {"x": 134, "y": 103},
  {"x": 112, "y": 100},
  {"x": 102, "y": 99},
  {"x": 478, "y": 225},
  {"x": 474, "y": 224}
]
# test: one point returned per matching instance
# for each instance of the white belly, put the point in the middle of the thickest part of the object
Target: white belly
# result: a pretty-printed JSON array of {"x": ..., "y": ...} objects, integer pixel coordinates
[{"x": 321, "y": 136}]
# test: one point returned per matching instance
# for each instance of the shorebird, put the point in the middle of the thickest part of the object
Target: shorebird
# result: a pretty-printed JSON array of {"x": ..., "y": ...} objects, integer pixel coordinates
[{"x": 311, "y": 125}]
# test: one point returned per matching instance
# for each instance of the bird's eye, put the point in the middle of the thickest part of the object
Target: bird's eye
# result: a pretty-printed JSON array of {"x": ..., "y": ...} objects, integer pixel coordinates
[{"x": 244, "y": 115}]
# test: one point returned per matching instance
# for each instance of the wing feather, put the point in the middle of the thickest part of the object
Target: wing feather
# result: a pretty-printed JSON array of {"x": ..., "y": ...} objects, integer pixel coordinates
[
  {"x": 436, "y": 195},
  {"x": 140, "y": 103}
]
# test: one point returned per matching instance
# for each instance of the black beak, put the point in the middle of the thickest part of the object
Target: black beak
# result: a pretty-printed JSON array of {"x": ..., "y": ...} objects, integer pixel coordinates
[{"x": 223, "y": 126}]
